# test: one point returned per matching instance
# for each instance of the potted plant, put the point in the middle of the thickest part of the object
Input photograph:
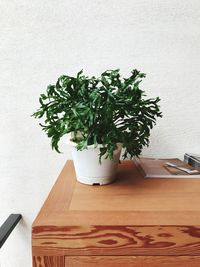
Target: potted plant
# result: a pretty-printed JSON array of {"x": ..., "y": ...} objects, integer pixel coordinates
[{"x": 102, "y": 115}]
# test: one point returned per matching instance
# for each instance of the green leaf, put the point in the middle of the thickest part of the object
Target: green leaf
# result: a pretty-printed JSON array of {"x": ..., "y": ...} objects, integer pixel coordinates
[{"x": 99, "y": 110}]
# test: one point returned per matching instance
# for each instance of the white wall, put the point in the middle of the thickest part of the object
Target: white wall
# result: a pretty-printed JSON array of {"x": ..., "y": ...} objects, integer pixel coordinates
[{"x": 40, "y": 40}]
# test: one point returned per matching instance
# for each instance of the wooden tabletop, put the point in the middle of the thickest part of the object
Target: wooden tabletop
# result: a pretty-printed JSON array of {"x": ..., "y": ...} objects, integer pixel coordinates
[{"x": 131, "y": 199}]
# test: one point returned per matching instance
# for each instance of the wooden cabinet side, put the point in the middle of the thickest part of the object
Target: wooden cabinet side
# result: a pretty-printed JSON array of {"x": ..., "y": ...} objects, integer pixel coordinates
[{"x": 48, "y": 261}]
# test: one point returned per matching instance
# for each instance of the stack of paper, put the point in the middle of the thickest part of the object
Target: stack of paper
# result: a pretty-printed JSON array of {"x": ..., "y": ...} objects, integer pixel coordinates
[{"x": 157, "y": 168}]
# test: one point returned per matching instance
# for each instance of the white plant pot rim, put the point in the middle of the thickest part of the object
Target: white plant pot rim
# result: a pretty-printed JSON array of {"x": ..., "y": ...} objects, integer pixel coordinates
[{"x": 74, "y": 144}]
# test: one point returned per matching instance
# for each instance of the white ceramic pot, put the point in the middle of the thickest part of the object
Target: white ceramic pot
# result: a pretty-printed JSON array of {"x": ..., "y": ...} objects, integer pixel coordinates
[{"x": 89, "y": 170}]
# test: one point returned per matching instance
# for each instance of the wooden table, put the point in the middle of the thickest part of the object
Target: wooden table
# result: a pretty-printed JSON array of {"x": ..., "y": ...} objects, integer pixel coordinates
[{"x": 132, "y": 222}]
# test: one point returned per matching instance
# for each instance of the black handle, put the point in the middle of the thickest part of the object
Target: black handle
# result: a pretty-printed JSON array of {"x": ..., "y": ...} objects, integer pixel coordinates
[{"x": 8, "y": 226}]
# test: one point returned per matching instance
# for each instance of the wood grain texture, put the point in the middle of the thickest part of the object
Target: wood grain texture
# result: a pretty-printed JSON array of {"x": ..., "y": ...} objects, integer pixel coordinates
[
  {"x": 136, "y": 217},
  {"x": 131, "y": 217},
  {"x": 48, "y": 261},
  {"x": 132, "y": 261},
  {"x": 118, "y": 240}
]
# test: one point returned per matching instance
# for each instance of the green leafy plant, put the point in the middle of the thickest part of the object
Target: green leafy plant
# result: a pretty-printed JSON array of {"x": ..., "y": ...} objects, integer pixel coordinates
[{"x": 106, "y": 110}]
